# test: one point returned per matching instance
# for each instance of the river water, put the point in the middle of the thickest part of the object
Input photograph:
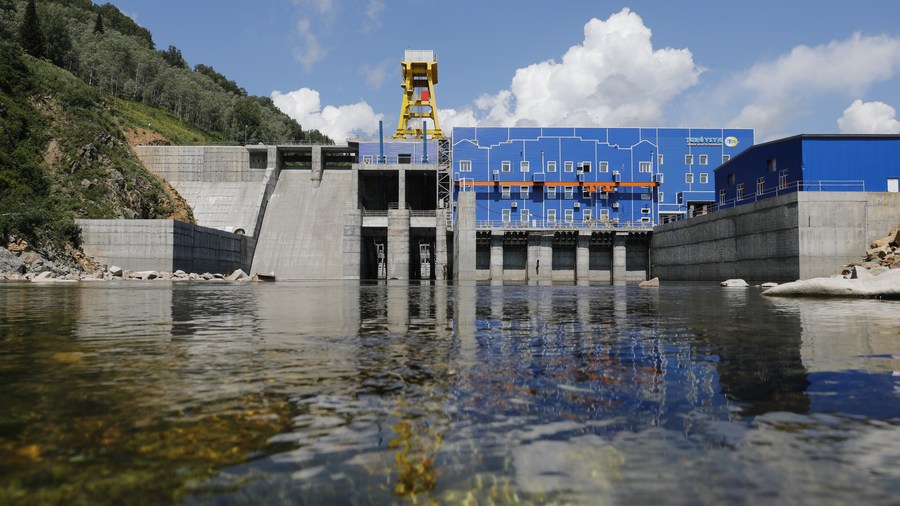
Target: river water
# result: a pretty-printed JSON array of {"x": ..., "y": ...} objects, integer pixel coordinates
[{"x": 301, "y": 393}]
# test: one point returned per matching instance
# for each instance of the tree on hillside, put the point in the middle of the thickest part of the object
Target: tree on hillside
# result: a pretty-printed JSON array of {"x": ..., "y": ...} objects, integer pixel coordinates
[
  {"x": 173, "y": 57},
  {"x": 98, "y": 25},
  {"x": 58, "y": 47},
  {"x": 30, "y": 35}
]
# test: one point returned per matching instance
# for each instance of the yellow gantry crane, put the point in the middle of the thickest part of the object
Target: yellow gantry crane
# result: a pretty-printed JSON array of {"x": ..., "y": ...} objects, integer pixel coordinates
[{"x": 419, "y": 77}]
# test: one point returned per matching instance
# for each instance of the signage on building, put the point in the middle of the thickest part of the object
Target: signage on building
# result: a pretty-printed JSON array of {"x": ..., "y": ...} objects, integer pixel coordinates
[{"x": 704, "y": 141}]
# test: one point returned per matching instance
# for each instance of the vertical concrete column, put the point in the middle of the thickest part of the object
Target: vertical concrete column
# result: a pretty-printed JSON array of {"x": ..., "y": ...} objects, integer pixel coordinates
[
  {"x": 464, "y": 238},
  {"x": 398, "y": 309},
  {"x": 583, "y": 257},
  {"x": 496, "y": 257},
  {"x": 546, "y": 257},
  {"x": 352, "y": 243},
  {"x": 401, "y": 188},
  {"x": 618, "y": 264},
  {"x": 316, "y": 172},
  {"x": 533, "y": 265},
  {"x": 440, "y": 245},
  {"x": 398, "y": 244}
]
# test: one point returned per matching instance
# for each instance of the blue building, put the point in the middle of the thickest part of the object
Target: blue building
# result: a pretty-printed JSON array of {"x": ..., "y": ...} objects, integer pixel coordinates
[
  {"x": 810, "y": 163},
  {"x": 590, "y": 177}
]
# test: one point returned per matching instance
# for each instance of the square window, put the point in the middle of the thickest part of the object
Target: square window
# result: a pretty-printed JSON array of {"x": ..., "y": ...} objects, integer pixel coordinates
[
  {"x": 604, "y": 166},
  {"x": 524, "y": 192},
  {"x": 506, "y": 166},
  {"x": 585, "y": 166},
  {"x": 523, "y": 166},
  {"x": 704, "y": 178},
  {"x": 604, "y": 214},
  {"x": 689, "y": 178},
  {"x": 505, "y": 191},
  {"x": 569, "y": 192},
  {"x": 689, "y": 159},
  {"x": 645, "y": 167},
  {"x": 645, "y": 210},
  {"x": 569, "y": 166},
  {"x": 551, "y": 166},
  {"x": 725, "y": 158},
  {"x": 551, "y": 215},
  {"x": 524, "y": 215},
  {"x": 586, "y": 193},
  {"x": 368, "y": 159},
  {"x": 551, "y": 192},
  {"x": 704, "y": 159},
  {"x": 465, "y": 165},
  {"x": 570, "y": 215}
]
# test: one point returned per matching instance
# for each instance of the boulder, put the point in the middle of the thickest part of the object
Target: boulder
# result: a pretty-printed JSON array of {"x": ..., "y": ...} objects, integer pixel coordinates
[
  {"x": 734, "y": 283},
  {"x": 144, "y": 275},
  {"x": 238, "y": 275},
  {"x": 10, "y": 263},
  {"x": 650, "y": 283},
  {"x": 115, "y": 271},
  {"x": 894, "y": 238},
  {"x": 879, "y": 252},
  {"x": 886, "y": 285},
  {"x": 261, "y": 276},
  {"x": 768, "y": 285}
]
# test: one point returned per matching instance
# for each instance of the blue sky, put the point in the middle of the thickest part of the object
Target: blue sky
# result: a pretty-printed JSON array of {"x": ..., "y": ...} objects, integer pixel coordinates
[{"x": 782, "y": 68}]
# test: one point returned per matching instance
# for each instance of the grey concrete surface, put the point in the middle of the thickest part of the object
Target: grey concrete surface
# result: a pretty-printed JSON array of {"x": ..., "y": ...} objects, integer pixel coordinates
[
  {"x": 464, "y": 239},
  {"x": 398, "y": 244}
]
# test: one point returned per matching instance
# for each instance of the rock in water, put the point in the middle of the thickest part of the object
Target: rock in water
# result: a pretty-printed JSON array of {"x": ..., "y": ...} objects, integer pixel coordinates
[
  {"x": 734, "y": 283},
  {"x": 885, "y": 285},
  {"x": 650, "y": 283}
]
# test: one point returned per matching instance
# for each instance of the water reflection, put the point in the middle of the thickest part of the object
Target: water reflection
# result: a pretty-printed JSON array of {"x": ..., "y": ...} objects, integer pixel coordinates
[{"x": 342, "y": 394}]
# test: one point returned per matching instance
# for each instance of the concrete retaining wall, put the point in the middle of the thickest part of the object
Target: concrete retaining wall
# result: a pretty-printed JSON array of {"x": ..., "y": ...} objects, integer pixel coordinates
[
  {"x": 165, "y": 245},
  {"x": 216, "y": 181},
  {"x": 795, "y": 236}
]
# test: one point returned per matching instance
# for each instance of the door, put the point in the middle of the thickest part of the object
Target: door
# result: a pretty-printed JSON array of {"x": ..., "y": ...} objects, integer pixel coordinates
[{"x": 893, "y": 185}]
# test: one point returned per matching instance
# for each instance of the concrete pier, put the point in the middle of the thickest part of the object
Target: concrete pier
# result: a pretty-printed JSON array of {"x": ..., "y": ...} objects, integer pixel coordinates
[
  {"x": 398, "y": 244},
  {"x": 619, "y": 266},
  {"x": 583, "y": 258},
  {"x": 464, "y": 239}
]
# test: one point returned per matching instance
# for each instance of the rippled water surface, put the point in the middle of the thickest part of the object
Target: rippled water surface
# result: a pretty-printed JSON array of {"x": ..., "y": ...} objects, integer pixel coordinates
[{"x": 292, "y": 393}]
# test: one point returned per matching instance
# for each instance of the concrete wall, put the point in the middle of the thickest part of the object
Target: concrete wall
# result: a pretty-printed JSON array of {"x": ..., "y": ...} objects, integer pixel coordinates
[
  {"x": 795, "y": 236},
  {"x": 165, "y": 245},
  {"x": 303, "y": 236},
  {"x": 216, "y": 181}
]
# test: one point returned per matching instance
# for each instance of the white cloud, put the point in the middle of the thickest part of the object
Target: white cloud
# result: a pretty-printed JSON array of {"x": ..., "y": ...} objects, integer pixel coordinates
[
  {"x": 450, "y": 118},
  {"x": 614, "y": 77},
  {"x": 783, "y": 90},
  {"x": 304, "y": 105},
  {"x": 310, "y": 52},
  {"x": 322, "y": 6},
  {"x": 374, "y": 10},
  {"x": 869, "y": 118}
]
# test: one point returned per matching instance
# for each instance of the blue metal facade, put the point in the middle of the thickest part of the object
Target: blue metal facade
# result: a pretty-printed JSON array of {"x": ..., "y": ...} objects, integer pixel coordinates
[
  {"x": 809, "y": 163},
  {"x": 588, "y": 176},
  {"x": 398, "y": 151}
]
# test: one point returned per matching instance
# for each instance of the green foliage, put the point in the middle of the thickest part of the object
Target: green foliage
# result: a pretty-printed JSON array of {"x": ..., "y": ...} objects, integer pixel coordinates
[
  {"x": 58, "y": 41},
  {"x": 135, "y": 115},
  {"x": 173, "y": 58},
  {"x": 30, "y": 35},
  {"x": 98, "y": 25},
  {"x": 222, "y": 81}
]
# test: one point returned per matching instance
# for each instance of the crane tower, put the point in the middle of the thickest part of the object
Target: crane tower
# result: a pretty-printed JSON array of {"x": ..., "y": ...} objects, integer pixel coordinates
[{"x": 419, "y": 77}]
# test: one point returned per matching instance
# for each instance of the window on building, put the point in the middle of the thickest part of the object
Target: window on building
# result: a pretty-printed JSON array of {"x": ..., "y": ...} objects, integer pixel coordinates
[
  {"x": 524, "y": 166},
  {"x": 551, "y": 192},
  {"x": 772, "y": 164},
  {"x": 660, "y": 194},
  {"x": 782, "y": 179},
  {"x": 524, "y": 216},
  {"x": 506, "y": 166},
  {"x": 760, "y": 185},
  {"x": 551, "y": 166},
  {"x": 585, "y": 166},
  {"x": 704, "y": 159},
  {"x": 504, "y": 215},
  {"x": 645, "y": 167},
  {"x": 524, "y": 192},
  {"x": 604, "y": 166},
  {"x": 586, "y": 193},
  {"x": 465, "y": 165},
  {"x": 570, "y": 215},
  {"x": 505, "y": 192},
  {"x": 587, "y": 216},
  {"x": 646, "y": 196},
  {"x": 689, "y": 178},
  {"x": 722, "y": 197},
  {"x": 569, "y": 192},
  {"x": 659, "y": 159},
  {"x": 551, "y": 215},
  {"x": 645, "y": 210},
  {"x": 731, "y": 179},
  {"x": 689, "y": 159},
  {"x": 660, "y": 177},
  {"x": 569, "y": 166},
  {"x": 645, "y": 220},
  {"x": 725, "y": 158},
  {"x": 740, "y": 191},
  {"x": 368, "y": 159},
  {"x": 604, "y": 215},
  {"x": 704, "y": 178}
]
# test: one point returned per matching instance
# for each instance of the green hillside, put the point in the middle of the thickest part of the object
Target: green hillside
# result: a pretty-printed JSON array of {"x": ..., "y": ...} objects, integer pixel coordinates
[{"x": 78, "y": 83}]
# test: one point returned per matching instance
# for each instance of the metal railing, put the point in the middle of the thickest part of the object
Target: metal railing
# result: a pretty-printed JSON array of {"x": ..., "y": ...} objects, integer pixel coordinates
[
  {"x": 563, "y": 225},
  {"x": 792, "y": 187}
]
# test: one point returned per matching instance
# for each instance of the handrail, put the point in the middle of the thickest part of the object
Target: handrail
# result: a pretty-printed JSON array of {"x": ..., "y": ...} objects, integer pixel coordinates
[
  {"x": 792, "y": 187},
  {"x": 563, "y": 225}
]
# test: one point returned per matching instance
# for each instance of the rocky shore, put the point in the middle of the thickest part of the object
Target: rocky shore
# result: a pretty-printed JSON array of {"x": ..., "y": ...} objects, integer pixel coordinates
[{"x": 18, "y": 262}]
